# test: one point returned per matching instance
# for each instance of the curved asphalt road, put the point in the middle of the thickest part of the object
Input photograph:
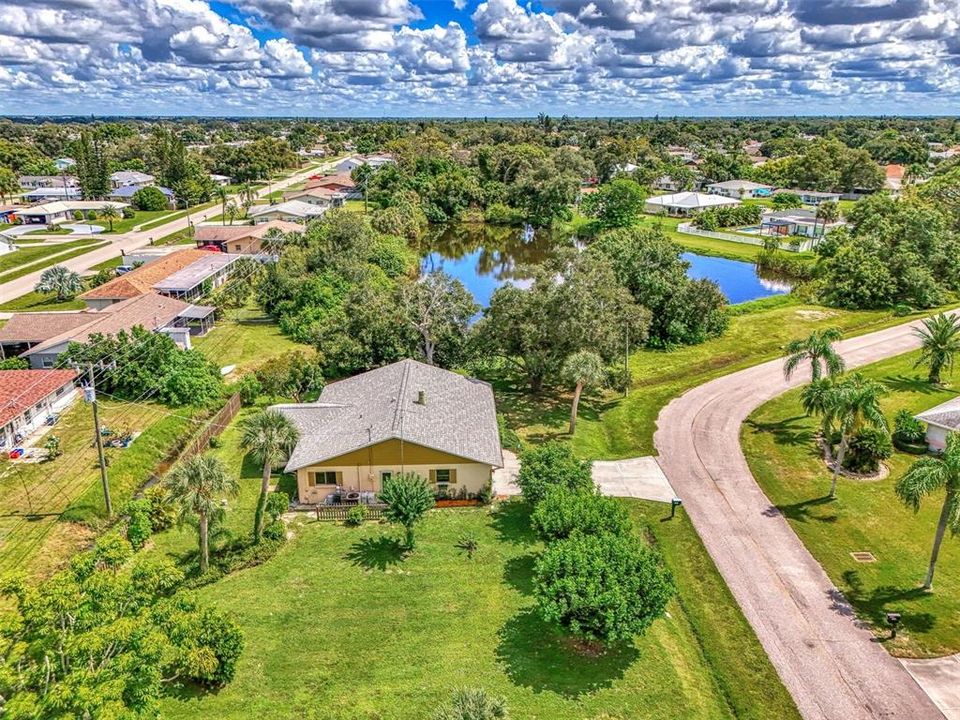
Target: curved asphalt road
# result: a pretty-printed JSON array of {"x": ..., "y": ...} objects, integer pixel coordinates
[{"x": 829, "y": 664}]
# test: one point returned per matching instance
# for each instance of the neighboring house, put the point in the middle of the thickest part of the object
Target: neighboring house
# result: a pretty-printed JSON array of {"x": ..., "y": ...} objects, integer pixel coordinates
[
  {"x": 124, "y": 178},
  {"x": 811, "y": 197},
  {"x": 626, "y": 168},
  {"x": 374, "y": 160},
  {"x": 64, "y": 163},
  {"x": 893, "y": 178},
  {"x": 290, "y": 211},
  {"x": 320, "y": 196},
  {"x": 187, "y": 274},
  {"x": 54, "y": 213},
  {"x": 740, "y": 189},
  {"x": 29, "y": 397},
  {"x": 40, "y": 338},
  {"x": 240, "y": 239},
  {"x": 666, "y": 183},
  {"x": 126, "y": 193},
  {"x": 798, "y": 221},
  {"x": 405, "y": 417},
  {"x": 338, "y": 183},
  {"x": 32, "y": 182},
  {"x": 685, "y": 204},
  {"x": 46, "y": 194},
  {"x": 220, "y": 180},
  {"x": 941, "y": 421}
]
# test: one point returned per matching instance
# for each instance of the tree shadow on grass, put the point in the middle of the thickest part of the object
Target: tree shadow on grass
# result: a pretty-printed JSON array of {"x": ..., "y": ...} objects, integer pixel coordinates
[
  {"x": 873, "y": 604},
  {"x": 909, "y": 383},
  {"x": 802, "y": 511},
  {"x": 379, "y": 553},
  {"x": 536, "y": 655},
  {"x": 511, "y": 521},
  {"x": 786, "y": 432},
  {"x": 518, "y": 573}
]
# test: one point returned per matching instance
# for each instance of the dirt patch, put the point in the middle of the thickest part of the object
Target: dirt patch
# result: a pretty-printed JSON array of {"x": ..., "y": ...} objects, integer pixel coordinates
[
  {"x": 584, "y": 647},
  {"x": 812, "y": 315}
]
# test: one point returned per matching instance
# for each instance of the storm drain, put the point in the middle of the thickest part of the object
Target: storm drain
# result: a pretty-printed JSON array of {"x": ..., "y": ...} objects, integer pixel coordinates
[{"x": 863, "y": 557}]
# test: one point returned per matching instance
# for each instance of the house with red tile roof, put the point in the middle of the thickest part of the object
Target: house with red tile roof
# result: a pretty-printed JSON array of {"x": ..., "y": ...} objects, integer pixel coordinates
[{"x": 29, "y": 397}]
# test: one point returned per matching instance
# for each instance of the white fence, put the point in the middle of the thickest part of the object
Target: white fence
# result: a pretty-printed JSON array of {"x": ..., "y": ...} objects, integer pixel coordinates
[{"x": 792, "y": 243}]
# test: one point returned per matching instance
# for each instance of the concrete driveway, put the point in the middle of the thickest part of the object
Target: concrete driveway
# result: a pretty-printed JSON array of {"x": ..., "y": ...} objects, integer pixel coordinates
[{"x": 634, "y": 478}]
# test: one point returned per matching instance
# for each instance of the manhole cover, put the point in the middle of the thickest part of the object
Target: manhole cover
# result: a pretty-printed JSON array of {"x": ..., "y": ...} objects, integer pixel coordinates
[{"x": 863, "y": 557}]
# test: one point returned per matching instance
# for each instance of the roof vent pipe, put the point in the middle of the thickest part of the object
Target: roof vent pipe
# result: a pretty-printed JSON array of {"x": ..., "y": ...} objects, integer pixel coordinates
[{"x": 421, "y": 397}]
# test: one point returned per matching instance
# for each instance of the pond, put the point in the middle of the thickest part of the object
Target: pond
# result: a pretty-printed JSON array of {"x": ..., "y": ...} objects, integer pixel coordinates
[{"x": 484, "y": 257}]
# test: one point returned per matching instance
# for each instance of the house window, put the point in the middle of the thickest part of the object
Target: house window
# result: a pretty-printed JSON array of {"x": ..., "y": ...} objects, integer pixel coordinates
[
  {"x": 237, "y": 248},
  {"x": 324, "y": 477},
  {"x": 443, "y": 476},
  {"x": 47, "y": 362},
  {"x": 385, "y": 475}
]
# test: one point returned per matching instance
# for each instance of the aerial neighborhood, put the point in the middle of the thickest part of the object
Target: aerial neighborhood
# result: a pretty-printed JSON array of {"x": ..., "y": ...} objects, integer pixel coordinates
[{"x": 548, "y": 417}]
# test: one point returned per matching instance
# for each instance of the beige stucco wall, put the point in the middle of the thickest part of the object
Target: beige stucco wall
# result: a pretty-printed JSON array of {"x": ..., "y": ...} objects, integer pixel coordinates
[
  {"x": 472, "y": 476},
  {"x": 936, "y": 438}
]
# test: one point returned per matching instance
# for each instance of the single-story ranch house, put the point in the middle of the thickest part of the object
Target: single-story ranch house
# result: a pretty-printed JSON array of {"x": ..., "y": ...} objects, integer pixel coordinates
[
  {"x": 685, "y": 204},
  {"x": 321, "y": 196},
  {"x": 941, "y": 421},
  {"x": 40, "y": 337},
  {"x": 48, "y": 194},
  {"x": 290, "y": 211},
  {"x": 29, "y": 397},
  {"x": 404, "y": 417},
  {"x": 740, "y": 189},
  {"x": 796, "y": 221},
  {"x": 31, "y": 182},
  {"x": 54, "y": 213},
  {"x": 812, "y": 197},
  {"x": 125, "y": 193},
  {"x": 127, "y": 178},
  {"x": 242, "y": 239}
]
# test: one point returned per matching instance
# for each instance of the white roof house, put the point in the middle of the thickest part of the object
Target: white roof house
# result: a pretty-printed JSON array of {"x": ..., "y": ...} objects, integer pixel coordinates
[
  {"x": 52, "y": 213},
  {"x": 941, "y": 420},
  {"x": 291, "y": 211},
  {"x": 122, "y": 178},
  {"x": 739, "y": 189},
  {"x": 686, "y": 203}
]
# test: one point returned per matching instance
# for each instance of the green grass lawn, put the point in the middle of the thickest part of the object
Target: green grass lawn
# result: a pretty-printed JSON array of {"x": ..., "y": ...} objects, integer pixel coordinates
[
  {"x": 611, "y": 426},
  {"x": 338, "y": 626},
  {"x": 778, "y": 441},
  {"x": 108, "y": 264},
  {"x": 141, "y": 217},
  {"x": 40, "y": 302},
  {"x": 13, "y": 263},
  {"x": 246, "y": 338}
]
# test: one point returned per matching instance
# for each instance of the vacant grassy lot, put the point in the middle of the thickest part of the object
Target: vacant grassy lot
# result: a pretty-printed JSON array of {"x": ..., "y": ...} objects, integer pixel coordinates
[
  {"x": 778, "y": 441},
  {"x": 339, "y": 625},
  {"x": 611, "y": 426},
  {"x": 32, "y": 253},
  {"x": 246, "y": 338}
]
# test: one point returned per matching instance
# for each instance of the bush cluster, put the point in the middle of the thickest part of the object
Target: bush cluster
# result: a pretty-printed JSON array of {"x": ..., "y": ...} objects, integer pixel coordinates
[{"x": 728, "y": 217}]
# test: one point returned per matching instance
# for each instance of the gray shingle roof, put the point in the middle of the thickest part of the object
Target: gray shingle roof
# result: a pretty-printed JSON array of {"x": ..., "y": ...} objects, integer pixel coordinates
[
  {"x": 945, "y": 415},
  {"x": 458, "y": 416}
]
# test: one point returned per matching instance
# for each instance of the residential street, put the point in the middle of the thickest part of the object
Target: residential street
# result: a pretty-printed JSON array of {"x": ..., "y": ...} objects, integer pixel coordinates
[
  {"x": 134, "y": 240},
  {"x": 832, "y": 667}
]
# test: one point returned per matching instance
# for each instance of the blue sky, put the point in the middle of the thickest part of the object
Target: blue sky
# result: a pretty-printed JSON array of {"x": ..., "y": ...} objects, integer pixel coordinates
[{"x": 466, "y": 57}]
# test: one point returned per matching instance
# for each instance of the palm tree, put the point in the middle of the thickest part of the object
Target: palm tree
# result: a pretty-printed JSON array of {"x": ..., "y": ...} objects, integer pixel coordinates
[
  {"x": 818, "y": 349},
  {"x": 827, "y": 212},
  {"x": 852, "y": 404},
  {"x": 61, "y": 280},
  {"x": 927, "y": 476},
  {"x": 270, "y": 438},
  {"x": 232, "y": 212},
  {"x": 939, "y": 343},
  {"x": 109, "y": 213},
  {"x": 581, "y": 369},
  {"x": 815, "y": 399},
  {"x": 197, "y": 487},
  {"x": 222, "y": 194}
]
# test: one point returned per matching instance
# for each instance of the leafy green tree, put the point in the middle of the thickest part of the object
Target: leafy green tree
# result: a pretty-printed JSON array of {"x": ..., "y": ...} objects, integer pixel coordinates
[
  {"x": 92, "y": 167},
  {"x": 552, "y": 464},
  {"x": 581, "y": 369},
  {"x": 618, "y": 203},
  {"x": 438, "y": 308},
  {"x": 852, "y": 404},
  {"x": 939, "y": 344},
  {"x": 149, "y": 199},
  {"x": 109, "y": 213},
  {"x": 108, "y": 637},
  {"x": 473, "y": 705},
  {"x": 408, "y": 497},
  {"x": 818, "y": 349},
  {"x": 926, "y": 477},
  {"x": 563, "y": 512},
  {"x": 60, "y": 280},
  {"x": 9, "y": 183},
  {"x": 196, "y": 488},
  {"x": 269, "y": 437},
  {"x": 786, "y": 201},
  {"x": 607, "y": 588}
]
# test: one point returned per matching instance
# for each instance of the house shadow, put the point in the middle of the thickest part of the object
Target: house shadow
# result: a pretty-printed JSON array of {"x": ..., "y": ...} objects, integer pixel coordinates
[
  {"x": 802, "y": 511},
  {"x": 873, "y": 604},
  {"x": 789, "y": 431},
  {"x": 535, "y": 655},
  {"x": 379, "y": 553},
  {"x": 908, "y": 383},
  {"x": 511, "y": 522}
]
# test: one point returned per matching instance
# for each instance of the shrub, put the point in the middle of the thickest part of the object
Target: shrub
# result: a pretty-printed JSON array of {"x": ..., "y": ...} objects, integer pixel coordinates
[
  {"x": 473, "y": 705},
  {"x": 139, "y": 526},
  {"x": 250, "y": 388},
  {"x": 91, "y": 214},
  {"x": 215, "y": 441},
  {"x": 278, "y": 503},
  {"x": 907, "y": 428},
  {"x": 550, "y": 464},
  {"x": 500, "y": 214},
  {"x": 129, "y": 213},
  {"x": 78, "y": 215},
  {"x": 275, "y": 530},
  {"x": 408, "y": 498},
  {"x": 602, "y": 587},
  {"x": 485, "y": 495},
  {"x": 219, "y": 645},
  {"x": 162, "y": 512},
  {"x": 866, "y": 449},
  {"x": 509, "y": 440},
  {"x": 563, "y": 512},
  {"x": 355, "y": 516},
  {"x": 468, "y": 543},
  {"x": 149, "y": 198}
]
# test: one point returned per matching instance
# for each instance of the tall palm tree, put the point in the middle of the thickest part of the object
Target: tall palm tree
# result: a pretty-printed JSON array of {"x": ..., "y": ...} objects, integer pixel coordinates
[
  {"x": 827, "y": 212},
  {"x": 581, "y": 369},
  {"x": 231, "y": 212},
  {"x": 197, "y": 487},
  {"x": 270, "y": 438},
  {"x": 927, "y": 476},
  {"x": 818, "y": 349},
  {"x": 222, "y": 194},
  {"x": 852, "y": 404},
  {"x": 61, "y": 280},
  {"x": 939, "y": 343},
  {"x": 109, "y": 213},
  {"x": 815, "y": 399}
]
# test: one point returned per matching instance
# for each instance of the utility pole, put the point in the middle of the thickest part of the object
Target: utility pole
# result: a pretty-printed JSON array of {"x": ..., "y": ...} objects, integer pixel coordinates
[{"x": 90, "y": 395}]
